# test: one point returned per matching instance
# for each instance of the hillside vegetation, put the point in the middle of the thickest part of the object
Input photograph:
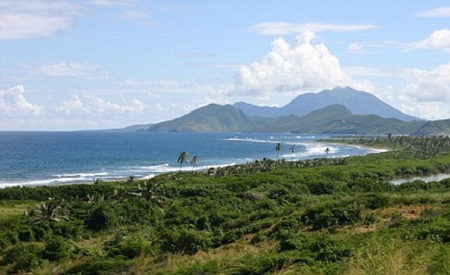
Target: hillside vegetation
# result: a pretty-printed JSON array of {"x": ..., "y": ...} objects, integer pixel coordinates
[{"x": 320, "y": 216}]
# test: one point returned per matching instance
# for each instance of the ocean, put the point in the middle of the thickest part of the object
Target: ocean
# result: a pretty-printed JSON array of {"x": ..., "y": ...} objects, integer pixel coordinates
[{"x": 50, "y": 158}]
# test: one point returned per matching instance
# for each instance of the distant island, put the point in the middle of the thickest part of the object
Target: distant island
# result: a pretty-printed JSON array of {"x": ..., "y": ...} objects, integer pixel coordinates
[{"x": 337, "y": 111}]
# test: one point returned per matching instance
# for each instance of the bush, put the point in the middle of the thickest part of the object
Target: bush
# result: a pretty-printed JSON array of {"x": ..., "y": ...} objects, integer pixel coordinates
[
  {"x": 185, "y": 240},
  {"x": 211, "y": 267},
  {"x": 24, "y": 256},
  {"x": 26, "y": 235},
  {"x": 101, "y": 267},
  {"x": 316, "y": 248},
  {"x": 128, "y": 246},
  {"x": 102, "y": 217},
  {"x": 328, "y": 215},
  {"x": 260, "y": 264},
  {"x": 56, "y": 249}
]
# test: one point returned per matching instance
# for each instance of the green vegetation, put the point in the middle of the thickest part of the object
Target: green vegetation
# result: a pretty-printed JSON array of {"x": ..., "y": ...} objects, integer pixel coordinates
[
  {"x": 320, "y": 216},
  {"x": 332, "y": 119}
]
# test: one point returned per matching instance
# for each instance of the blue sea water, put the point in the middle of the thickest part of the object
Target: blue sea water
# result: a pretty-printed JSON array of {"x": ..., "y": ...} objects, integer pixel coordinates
[{"x": 49, "y": 158}]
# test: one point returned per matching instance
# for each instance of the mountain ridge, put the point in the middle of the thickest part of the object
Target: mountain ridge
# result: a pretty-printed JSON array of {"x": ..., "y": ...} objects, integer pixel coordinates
[
  {"x": 357, "y": 102},
  {"x": 330, "y": 119}
]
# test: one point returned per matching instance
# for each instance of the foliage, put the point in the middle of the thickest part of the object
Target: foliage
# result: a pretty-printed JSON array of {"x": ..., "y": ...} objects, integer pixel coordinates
[{"x": 325, "y": 216}]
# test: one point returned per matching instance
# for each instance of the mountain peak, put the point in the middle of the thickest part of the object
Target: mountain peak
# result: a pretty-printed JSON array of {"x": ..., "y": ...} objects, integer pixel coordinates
[{"x": 357, "y": 102}]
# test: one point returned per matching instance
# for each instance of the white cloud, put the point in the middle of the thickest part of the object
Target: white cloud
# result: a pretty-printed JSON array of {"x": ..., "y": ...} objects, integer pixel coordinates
[
  {"x": 302, "y": 66},
  {"x": 103, "y": 107},
  {"x": 93, "y": 106},
  {"x": 14, "y": 104},
  {"x": 421, "y": 93},
  {"x": 73, "y": 69},
  {"x": 284, "y": 28},
  {"x": 112, "y": 2},
  {"x": 72, "y": 106},
  {"x": 440, "y": 12},
  {"x": 428, "y": 86},
  {"x": 34, "y": 19},
  {"x": 439, "y": 40}
]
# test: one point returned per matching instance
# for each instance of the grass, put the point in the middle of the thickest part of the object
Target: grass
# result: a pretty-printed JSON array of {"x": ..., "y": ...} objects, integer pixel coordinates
[{"x": 14, "y": 208}]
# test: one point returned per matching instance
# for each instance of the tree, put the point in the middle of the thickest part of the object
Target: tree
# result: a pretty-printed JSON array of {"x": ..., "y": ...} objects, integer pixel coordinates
[
  {"x": 293, "y": 150},
  {"x": 183, "y": 158},
  {"x": 51, "y": 211},
  {"x": 194, "y": 162},
  {"x": 327, "y": 151},
  {"x": 278, "y": 148},
  {"x": 151, "y": 193}
]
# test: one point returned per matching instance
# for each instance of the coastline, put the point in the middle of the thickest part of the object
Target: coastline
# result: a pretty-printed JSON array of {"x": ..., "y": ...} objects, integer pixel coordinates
[{"x": 205, "y": 168}]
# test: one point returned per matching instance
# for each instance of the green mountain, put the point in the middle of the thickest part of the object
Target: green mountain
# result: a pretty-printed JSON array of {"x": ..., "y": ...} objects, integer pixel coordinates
[
  {"x": 211, "y": 118},
  {"x": 333, "y": 119},
  {"x": 437, "y": 127},
  {"x": 365, "y": 124}
]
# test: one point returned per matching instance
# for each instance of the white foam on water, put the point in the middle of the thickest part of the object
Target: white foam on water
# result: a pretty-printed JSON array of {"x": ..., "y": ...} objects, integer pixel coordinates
[{"x": 84, "y": 175}]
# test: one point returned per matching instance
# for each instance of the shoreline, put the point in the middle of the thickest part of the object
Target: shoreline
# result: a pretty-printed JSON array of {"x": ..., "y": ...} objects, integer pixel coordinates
[{"x": 185, "y": 169}]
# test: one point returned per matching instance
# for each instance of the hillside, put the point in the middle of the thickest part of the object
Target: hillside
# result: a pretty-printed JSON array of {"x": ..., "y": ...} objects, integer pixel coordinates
[
  {"x": 365, "y": 124},
  {"x": 357, "y": 102},
  {"x": 211, "y": 118},
  {"x": 438, "y": 127},
  {"x": 333, "y": 119}
]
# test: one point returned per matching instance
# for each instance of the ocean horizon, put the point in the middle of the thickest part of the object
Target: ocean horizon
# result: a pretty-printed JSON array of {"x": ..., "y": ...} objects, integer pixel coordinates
[{"x": 52, "y": 158}]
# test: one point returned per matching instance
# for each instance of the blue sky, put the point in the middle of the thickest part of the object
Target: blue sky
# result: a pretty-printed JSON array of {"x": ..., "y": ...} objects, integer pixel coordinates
[{"x": 95, "y": 64}]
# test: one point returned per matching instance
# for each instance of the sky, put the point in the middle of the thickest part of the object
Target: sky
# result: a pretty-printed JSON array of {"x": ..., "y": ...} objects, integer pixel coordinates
[{"x": 101, "y": 64}]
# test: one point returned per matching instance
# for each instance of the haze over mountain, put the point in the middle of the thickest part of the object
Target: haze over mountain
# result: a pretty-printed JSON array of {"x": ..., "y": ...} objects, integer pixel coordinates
[
  {"x": 310, "y": 113},
  {"x": 357, "y": 102}
]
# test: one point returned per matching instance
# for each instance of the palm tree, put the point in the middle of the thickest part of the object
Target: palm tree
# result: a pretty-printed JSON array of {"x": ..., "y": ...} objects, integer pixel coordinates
[
  {"x": 51, "y": 211},
  {"x": 278, "y": 148},
  {"x": 327, "y": 151},
  {"x": 293, "y": 151},
  {"x": 194, "y": 162},
  {"x": 183, "y": 158},
  {"x": 151, "y": 192}
]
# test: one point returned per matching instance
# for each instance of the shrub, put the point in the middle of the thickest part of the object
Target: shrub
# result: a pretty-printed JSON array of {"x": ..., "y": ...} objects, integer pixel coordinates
[
  {"x": 260, "y": 264},
  {"x": 26, "y": 235},
  {"x": 101, "y": 267},
  {"x": 185, "y": 240},
  {"x": 128, "y": 246},
  {"x": 328, "y": 215},
  {"x": 211, "y": 267},
  {"x": 24, "y": 256},
  {"x": 102, "y": 217},
  {"x": 56, "y": 249}
]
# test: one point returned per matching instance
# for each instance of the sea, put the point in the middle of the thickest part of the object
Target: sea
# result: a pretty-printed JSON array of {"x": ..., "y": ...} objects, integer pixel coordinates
[{"x": 52, "y": 158}]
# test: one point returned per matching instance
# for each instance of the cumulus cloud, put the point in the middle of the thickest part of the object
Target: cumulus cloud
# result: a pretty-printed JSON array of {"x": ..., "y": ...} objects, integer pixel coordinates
[
  {"x": 34, "y": 19},
  {"x": 439, "y": 12},
  {"x": 14, "y": 103},
  {"x": 284, "y": 28},
  {"x": 439, "y": 40},
  {"x": 302, "y": 66},
  {"x": 74, "y": 105},
  {"x": 428, "y": 85}
]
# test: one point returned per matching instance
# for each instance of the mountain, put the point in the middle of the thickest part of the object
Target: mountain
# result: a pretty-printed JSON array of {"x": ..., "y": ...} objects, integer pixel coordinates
[
  {"x": 437, "y": 127},
  {"x": 211, "y": 118},
  {"x": 365, "y": 124},
  {"x": 302, "y": 124},
  {"x": 309, "y": 113},
  {"x": 357, "y": 102},
  {"x": 333, "y": 119}
]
